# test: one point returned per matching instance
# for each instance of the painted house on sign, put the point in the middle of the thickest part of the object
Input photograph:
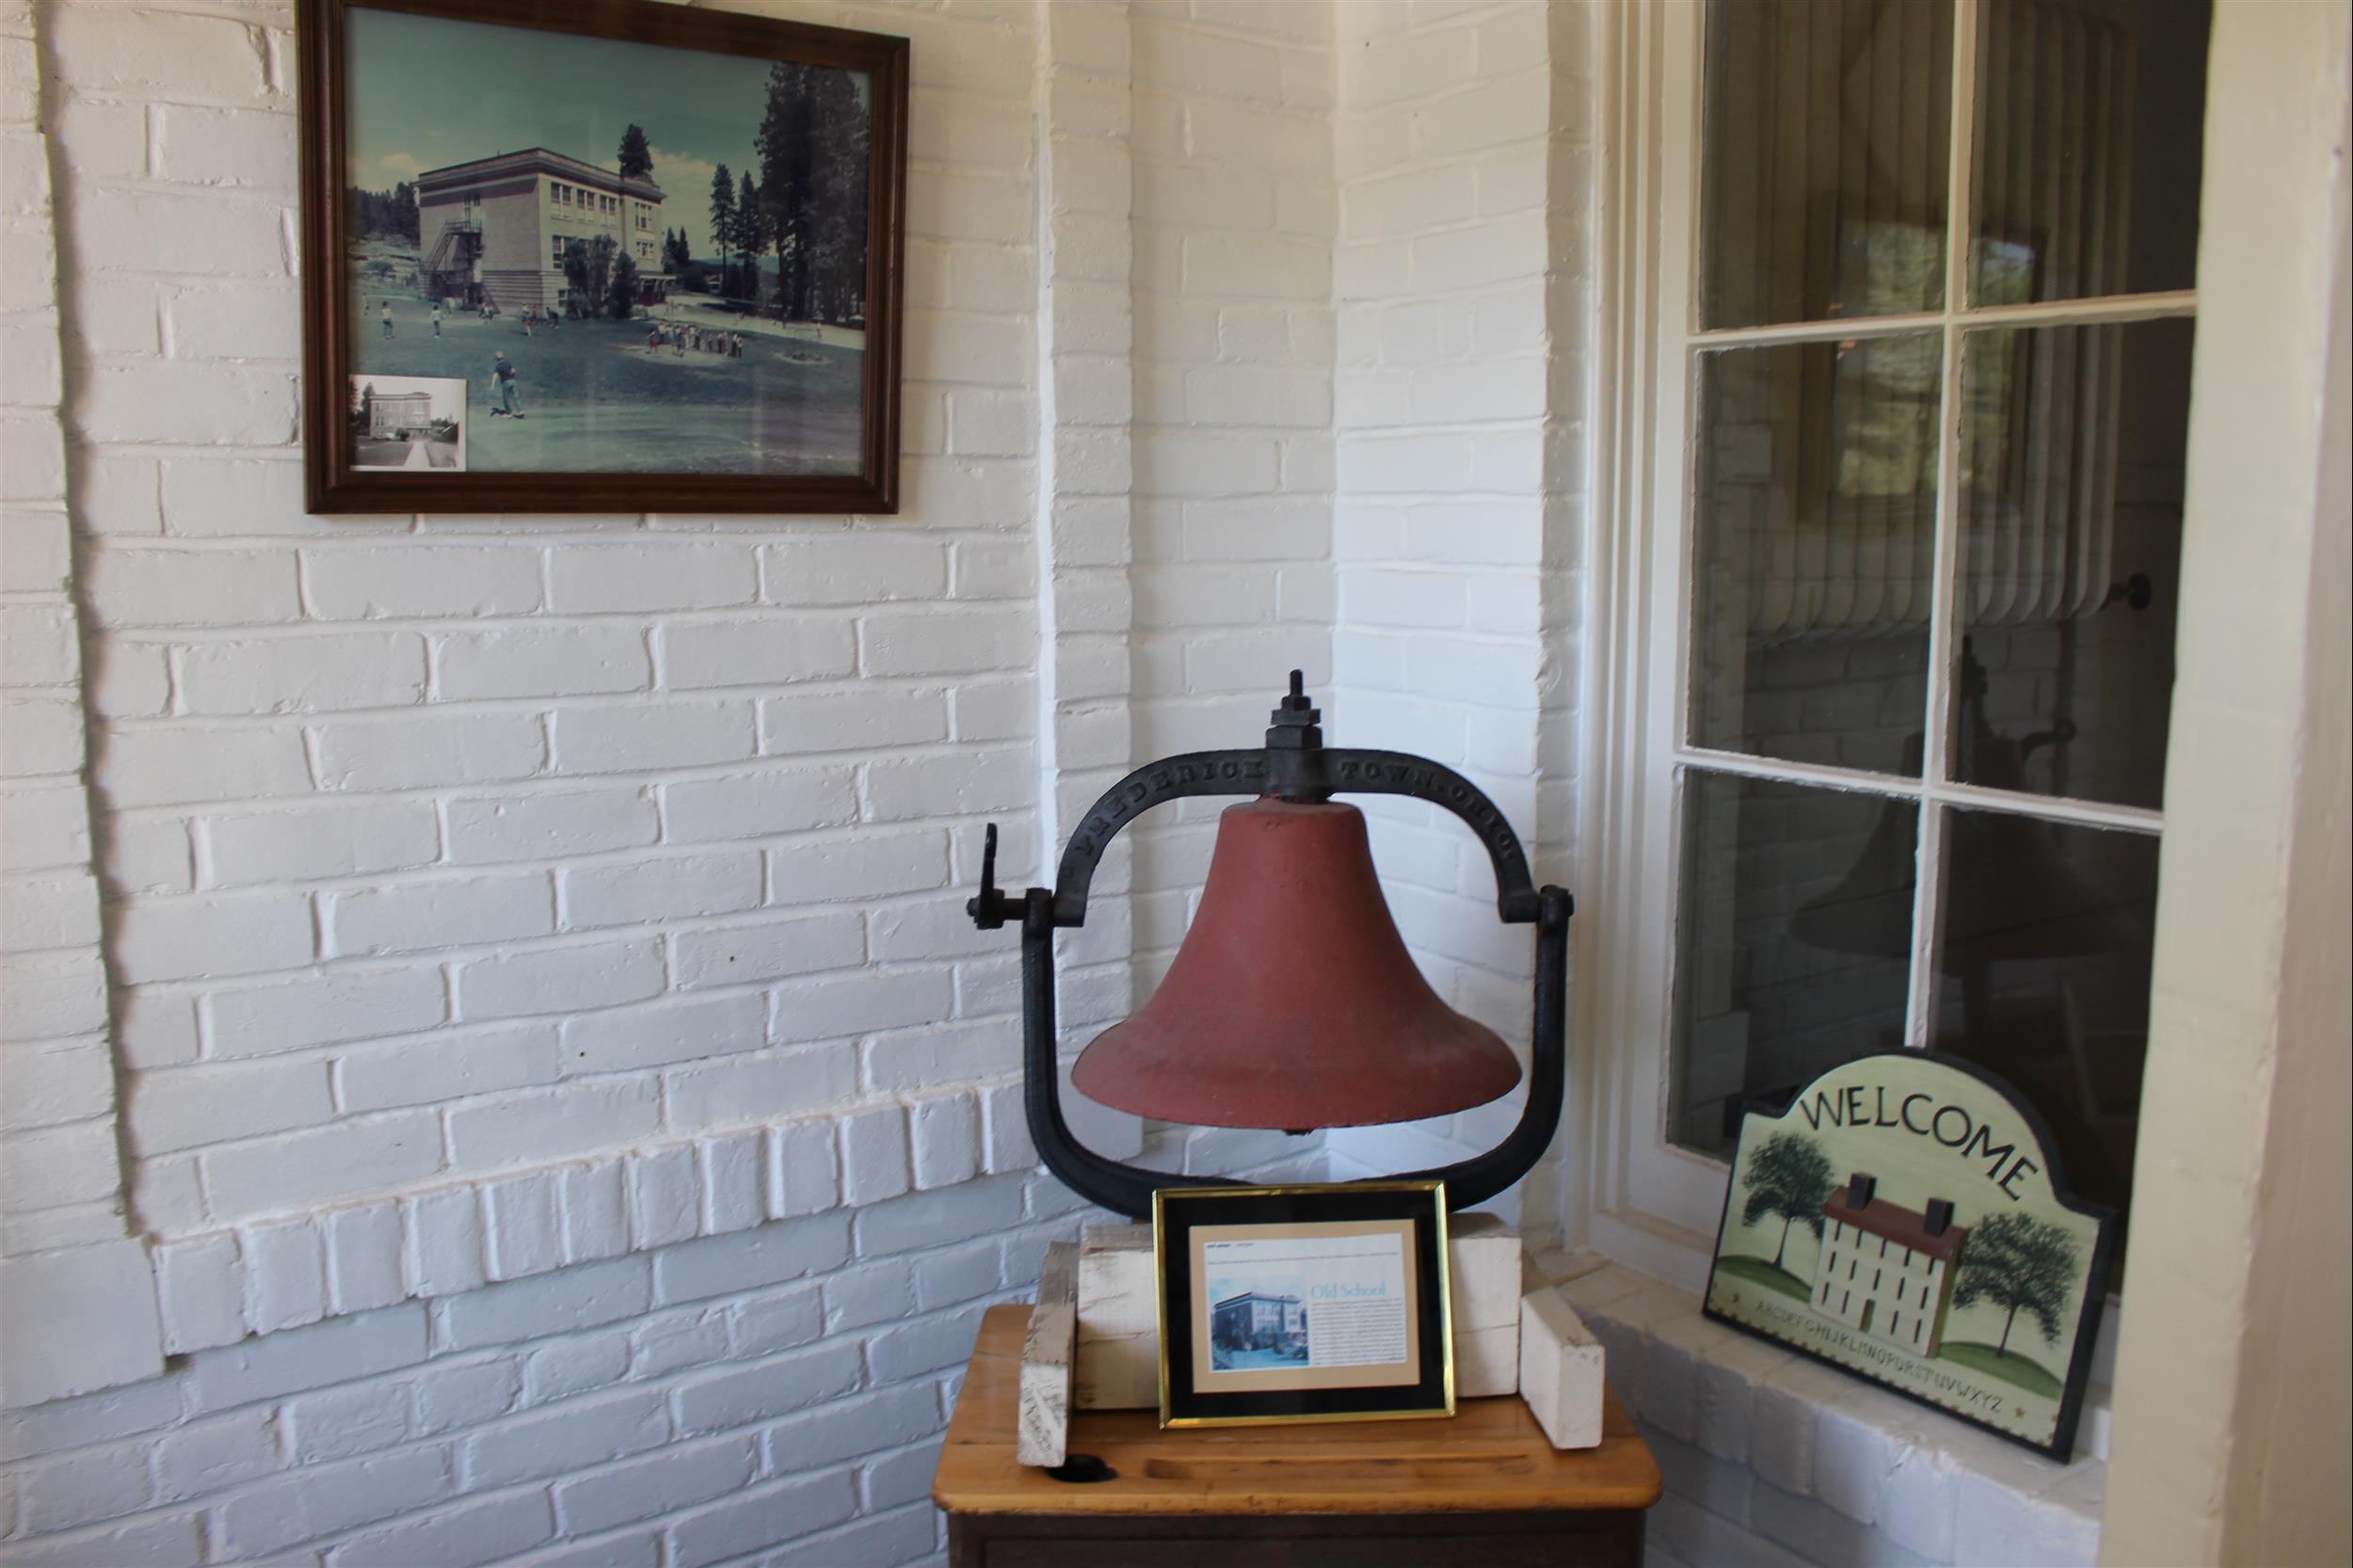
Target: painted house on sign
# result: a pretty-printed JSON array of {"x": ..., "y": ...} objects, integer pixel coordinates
[
  {"x": 1884, "y": 1270},
  {"x": 497, "y": 227},
  {"x": 1255, "y": 1321}
]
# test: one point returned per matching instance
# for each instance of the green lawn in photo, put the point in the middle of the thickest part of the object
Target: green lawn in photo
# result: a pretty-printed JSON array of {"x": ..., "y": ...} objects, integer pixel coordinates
[
  {"x": 2011, "y": 1367},
  {"x": 1761, "y": 1270},
  {"x": 597, "y": 401}
]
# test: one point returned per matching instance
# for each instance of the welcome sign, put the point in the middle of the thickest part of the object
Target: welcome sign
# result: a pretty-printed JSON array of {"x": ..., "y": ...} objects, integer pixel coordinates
[{"x": 1904, "y": 1219}]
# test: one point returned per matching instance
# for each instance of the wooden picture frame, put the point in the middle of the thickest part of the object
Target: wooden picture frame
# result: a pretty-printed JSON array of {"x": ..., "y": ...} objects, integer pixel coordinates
[
  {"x": 780, "y": 395},
  {"x": 1244, "y": 1274},
  {"x": 1906, "y": 1220}
]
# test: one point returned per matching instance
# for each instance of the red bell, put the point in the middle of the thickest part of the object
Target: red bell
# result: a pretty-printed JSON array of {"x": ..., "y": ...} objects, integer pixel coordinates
[{"x": 1293, "y": 1002}]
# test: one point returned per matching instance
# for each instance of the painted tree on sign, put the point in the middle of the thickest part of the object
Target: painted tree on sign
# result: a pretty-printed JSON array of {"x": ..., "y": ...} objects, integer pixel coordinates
[
  {"x": 2023, "y": 1264},
  {"x": 1789, "y": 1176}
]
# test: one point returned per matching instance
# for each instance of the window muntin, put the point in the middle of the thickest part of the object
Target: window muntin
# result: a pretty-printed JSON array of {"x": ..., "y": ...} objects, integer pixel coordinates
[{"x": 1933, "y": 549}]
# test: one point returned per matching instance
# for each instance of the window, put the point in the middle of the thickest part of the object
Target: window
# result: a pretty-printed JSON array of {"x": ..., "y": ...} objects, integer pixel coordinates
[
  {"x": 1909, "y": 406},
  {"x": 556, "y": 247}
]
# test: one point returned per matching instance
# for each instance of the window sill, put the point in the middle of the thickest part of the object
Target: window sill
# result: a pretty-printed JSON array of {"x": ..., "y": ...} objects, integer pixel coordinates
[{"x": 1774, "y": 1459}]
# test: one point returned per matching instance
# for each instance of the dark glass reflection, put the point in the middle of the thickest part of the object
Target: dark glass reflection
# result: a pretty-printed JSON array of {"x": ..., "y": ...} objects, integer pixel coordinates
[
  {"x": 2045, "y": 976},
  {"x": 2070, "y": 565},
  {"x": 2083, "y": 169},
  {"x": 1792, "y": 944},
  {"x": 1814, "y": 550},
  {"x": 1824, "y": 180}
]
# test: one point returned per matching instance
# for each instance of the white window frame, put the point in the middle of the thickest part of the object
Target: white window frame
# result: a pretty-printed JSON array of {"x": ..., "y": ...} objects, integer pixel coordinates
[{"x": 1645, "y": 1200}]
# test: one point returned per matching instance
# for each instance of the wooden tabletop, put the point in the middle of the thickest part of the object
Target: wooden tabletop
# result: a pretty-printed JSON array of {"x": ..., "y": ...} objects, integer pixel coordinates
[{"x": 1489, "y": 1457}]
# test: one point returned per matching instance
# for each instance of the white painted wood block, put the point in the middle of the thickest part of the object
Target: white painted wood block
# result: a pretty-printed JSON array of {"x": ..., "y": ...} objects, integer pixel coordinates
[
  {"x": 1487, "y": 1361},
  {"x": 1484, "y": 1271},
  {"x": 1119, "y": 1341},
  {"x": 1560, "y": 1370},
  {"x": 1046, "y": 1356},
  {"x": 1119, "y": 1374},
  {"x": 1118, "y": 1287}
]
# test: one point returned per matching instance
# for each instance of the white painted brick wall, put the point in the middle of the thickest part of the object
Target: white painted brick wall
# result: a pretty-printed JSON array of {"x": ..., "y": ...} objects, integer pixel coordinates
[
  {"x": 766, "y": 1389},
  {"x": 60, "y": 1183},
  {"x": 1232, "y": 386},
  {"x": 1462, "y": 307},
  {"x": 395, "y": 782}
]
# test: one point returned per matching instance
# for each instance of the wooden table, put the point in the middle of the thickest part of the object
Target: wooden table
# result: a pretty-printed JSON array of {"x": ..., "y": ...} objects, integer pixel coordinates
[{"x": 1484, "y": 1488}]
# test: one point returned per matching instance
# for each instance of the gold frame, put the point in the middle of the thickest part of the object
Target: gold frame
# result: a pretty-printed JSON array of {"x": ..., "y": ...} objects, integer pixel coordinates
[{"x": 1444, "y": 1286}]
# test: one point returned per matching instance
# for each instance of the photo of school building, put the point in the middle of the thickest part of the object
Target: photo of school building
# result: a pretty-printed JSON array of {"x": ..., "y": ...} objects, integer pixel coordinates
[
  {"x": 1255, "y": 1321},
  {"x": 1884, "y": 1270},
  {"x": 496, "y": 228},
  {"x": 398, "y": 413}
]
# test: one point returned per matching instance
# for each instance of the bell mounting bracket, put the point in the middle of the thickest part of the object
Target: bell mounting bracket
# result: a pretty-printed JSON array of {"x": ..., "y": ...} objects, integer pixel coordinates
[{"x": 1295, "y": 764}]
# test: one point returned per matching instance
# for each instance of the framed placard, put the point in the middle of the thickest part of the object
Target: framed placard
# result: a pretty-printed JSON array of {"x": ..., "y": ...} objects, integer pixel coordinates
[
  {"x": 1906, "y": 1221},
  {"x": 1302, "y": 1303},
  {"x": 598, "y": 256}
]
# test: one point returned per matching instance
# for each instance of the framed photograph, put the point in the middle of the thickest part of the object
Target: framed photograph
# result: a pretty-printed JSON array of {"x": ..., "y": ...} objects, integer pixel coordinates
[
  {"x": 652, "y": 252},
  {"x": 1302, "y": 1303},
  {"x": 1906, "y": 1220}
]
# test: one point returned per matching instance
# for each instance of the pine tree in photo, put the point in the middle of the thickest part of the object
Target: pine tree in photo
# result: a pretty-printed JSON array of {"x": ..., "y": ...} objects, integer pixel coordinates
[
  {"x": 788, "y": 193},
  {"x": 723, "y": 224},
  {"x": 813, "y": 155},
  {"x": 588, "y": 266},
  {"x": 624, "y": 294},
  {"x": 1789, "y": 1176},
  {"x": 2022, "y": 1264},
  {"x": 636, "y": 155},
  {"x": 751, "y": 234},
  {"x": 839, "y": 172}
]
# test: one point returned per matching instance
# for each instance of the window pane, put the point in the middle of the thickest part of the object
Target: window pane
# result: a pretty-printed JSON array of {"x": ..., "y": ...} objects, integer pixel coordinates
[
  {"x": 2084, "y": 167},
  {"x": 2070, "y": 549},
  {"x": 2045, "y": 976},
  {"x": 1792, "y": 943},
  {"x": 1823, "y": 188},
  {"x": 1813, "y": 547}
]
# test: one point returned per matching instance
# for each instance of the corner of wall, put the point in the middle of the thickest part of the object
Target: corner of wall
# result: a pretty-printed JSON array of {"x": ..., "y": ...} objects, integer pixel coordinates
[
  {"x": 76, "y": 1292},
  {"x": 1464, "y": 297}
]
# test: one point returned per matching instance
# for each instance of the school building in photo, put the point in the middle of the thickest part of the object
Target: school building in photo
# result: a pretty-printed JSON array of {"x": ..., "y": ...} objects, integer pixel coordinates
[
  {"x": 392, "y": 413},
  {"x": 1258, "y": 1322},
  {"x": 497, "y": 227}
]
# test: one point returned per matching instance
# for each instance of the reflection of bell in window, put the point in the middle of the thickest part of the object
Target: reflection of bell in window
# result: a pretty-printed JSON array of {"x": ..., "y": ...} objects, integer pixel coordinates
[{"x": 2020, "y": 898}]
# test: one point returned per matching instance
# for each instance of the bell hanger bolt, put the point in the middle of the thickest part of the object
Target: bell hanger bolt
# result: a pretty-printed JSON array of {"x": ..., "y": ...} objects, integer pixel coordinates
[{"x": 992, "y": 906}]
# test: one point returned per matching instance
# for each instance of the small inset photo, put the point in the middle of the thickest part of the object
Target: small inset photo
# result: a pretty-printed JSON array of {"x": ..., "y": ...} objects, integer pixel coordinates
[{"x": 408, "y": 422}]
